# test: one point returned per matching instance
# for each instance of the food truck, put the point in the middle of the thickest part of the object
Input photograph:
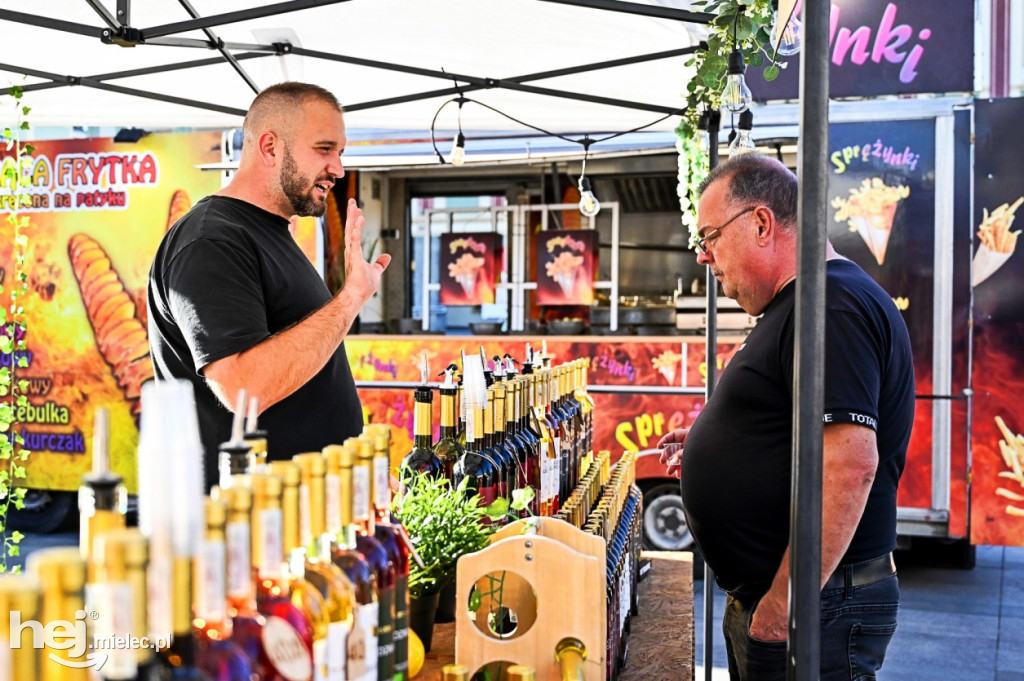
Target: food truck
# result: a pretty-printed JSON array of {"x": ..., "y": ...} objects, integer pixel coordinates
[{"x": 923, "y": 193}]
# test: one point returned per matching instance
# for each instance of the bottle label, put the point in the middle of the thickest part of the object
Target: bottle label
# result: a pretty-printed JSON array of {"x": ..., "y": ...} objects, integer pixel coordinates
[
  {"x": 114, "y": 606},
  {"x": 362, "y": 644},
  {"x": 386, "y": 634},
  {"x": 360, "y": 494},
  {"x": 381, "y": 481},
  {"x": 288, "y": 655},
  {"x": 210, "y": 596},
  {"x": 305, "y": 528},
  {"x": 402, "y": 626},
  {"x": 320, "y": 659},
  {"x": 239, "y": 560},
  {"x": 337, "y": 642},
  {"x": 271, "y": 529},
  {"x": 333, "y": 499},
  {"x": 158, "y": 597}
]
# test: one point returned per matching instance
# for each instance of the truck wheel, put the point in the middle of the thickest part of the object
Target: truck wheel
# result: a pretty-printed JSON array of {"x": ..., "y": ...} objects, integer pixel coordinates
[
  {"x": 664, "y": 523},
  {"x": 45, "y": 511}
]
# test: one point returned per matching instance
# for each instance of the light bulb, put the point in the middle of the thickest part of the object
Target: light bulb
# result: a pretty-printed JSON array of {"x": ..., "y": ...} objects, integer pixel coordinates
[
  {"x": 703, "y": 135},
  {"x": 792, "y": 38},
  {"x": 736, "y": 97},
  {"x": 458, "y": 155},
  {"x": 589, "y": 205},
  {"x": 742, "y": 143}
]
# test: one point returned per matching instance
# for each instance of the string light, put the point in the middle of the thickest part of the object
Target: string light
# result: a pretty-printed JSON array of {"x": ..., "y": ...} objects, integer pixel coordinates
[
  {"x": 787, "y": 36},
  {"x": 589, "y": 205},
  {"x": 703, "y": 134},
  {"x": 736, "y": 97},
  {"x": 743, "y": 143}
]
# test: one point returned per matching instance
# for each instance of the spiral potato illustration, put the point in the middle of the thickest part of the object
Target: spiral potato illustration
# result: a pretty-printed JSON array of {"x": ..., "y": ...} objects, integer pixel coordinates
[{"x": 120, "y": 337}]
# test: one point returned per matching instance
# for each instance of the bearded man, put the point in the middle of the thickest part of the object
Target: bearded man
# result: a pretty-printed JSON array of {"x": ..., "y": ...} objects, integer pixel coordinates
[{"x": 234, "y": 302}]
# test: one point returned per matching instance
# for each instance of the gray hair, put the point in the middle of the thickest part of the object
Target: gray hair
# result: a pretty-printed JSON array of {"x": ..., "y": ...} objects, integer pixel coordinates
[{"x": 755, "y": 178}]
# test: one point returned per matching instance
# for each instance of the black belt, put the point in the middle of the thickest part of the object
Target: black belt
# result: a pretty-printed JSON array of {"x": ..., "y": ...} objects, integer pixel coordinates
[{"x": 868, "y": 572}]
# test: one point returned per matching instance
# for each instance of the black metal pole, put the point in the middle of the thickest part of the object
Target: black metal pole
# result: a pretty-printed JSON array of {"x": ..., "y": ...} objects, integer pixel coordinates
[
  {"x": 804, "y": 658},
  {"x": 711, "y": 359}
]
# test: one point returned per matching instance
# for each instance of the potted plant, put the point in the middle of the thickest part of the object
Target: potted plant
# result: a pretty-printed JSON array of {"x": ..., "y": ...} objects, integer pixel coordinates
[{"x": 443, "y": 523}]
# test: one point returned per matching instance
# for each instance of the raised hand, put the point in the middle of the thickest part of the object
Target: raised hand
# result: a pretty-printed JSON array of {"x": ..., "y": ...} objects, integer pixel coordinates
[{"x": 362, "y": 278}]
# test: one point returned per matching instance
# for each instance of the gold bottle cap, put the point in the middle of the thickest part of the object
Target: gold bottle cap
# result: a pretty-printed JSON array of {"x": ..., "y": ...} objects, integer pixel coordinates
[
  {"x": 216, "y": 512},
  {"x": 311, "y": 464},
  {"x": 364, "y": 447},
  {"x": 290, "y": 474},
  {"x": 19, "y": 593},
  {"x": 129, "y": 546},
  {"x": 520, "y": 672},
  {"x": 455, "y": 672},
  {"x": 61, "y": 570},
  {"x": 332, "y": 455},
  {"x": 238, "y": 499},
  {"x": 348, "y": 453},
  {"x": 266, "y": 486}
]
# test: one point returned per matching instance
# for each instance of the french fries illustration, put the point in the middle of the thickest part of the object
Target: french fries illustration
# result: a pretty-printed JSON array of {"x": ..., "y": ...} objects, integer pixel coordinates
[
  {"x": 870, "y": 211},
  {"x": 120, "y": 337},
  {"x": 998, "y": 243},
  {"x": 180, "y": 204},
  {"x": 667, "y": 363},
  {"x": 465, "y": 270},
  {"x": 1012, "y": 449},
  {"x": 563, "y": 269}
]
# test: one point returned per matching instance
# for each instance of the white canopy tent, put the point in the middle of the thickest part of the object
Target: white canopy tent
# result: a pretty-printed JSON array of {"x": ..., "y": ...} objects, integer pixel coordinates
[{"x": 365, "y": 52}]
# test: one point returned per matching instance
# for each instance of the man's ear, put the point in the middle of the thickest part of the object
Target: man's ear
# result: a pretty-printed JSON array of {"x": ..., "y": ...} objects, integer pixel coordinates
[{"x": 268, "y": 146}]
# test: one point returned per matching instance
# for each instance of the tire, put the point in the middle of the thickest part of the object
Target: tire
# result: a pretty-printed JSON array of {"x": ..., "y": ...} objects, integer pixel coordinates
[
  {"x": 664, "y": 524},
  {"x": 45, "y": 511}
]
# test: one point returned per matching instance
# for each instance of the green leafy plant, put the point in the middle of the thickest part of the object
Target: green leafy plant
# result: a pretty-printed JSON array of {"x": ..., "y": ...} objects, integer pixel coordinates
[
  {"x": 444, "y": 522},
  {"x": 17, "y": 158}
]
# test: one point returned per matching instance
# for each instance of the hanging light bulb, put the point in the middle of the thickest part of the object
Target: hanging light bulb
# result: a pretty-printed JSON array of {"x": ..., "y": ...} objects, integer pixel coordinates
[
  {"x": 736, "y": 97},
  {"x": 788, "y": 37},
  {"x": 458, "y": 155},
  {"x": 743, "y": 143},
  {"x": 589, "y": 205},
  {"x": 703, "y": 135}
]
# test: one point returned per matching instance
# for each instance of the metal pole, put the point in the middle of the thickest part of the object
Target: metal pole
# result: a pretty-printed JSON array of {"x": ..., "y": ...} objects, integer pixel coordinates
[
  {"x": 804, "y": 659},
  {"x": 712, "y": 373}
]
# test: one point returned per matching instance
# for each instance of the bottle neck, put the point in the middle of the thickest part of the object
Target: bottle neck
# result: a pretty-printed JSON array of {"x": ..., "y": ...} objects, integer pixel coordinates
[{"x": 448, "y": 424}]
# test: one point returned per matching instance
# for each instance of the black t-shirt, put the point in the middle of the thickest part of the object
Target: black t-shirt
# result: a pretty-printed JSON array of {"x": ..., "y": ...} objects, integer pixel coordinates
[
  {"x": 736, "y": 465},
  {"x": 227, "y": 276}
]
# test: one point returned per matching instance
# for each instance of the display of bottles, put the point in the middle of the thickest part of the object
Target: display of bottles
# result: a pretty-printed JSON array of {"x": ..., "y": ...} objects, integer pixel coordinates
[
  {"x": 288, "y": 633},
  {"x": 375, "y": 553},
  {"x": 19, "y": 594},
  {"x": 61, "y": 574},
  {"x": 102, "y": 498},
  {"x": 217, "y": 655},
  {"x": 362, "y": 641},
  {"x": 448, "y": 448},
  {"x": 329, "y": 580},
  {"x": 422, "y": 458}
]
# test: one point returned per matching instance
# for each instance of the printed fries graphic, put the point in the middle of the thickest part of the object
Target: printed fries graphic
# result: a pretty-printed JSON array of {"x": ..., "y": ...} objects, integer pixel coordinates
[
  {"x": 1012, "y": 448},
  {"x": 120, "y": 337},
  {"x": 997, "y": 241},
  {"x": 563, "y": 270},
  {"x": 666, "y": 363},
  {"x": 180, "y": 204},
  {"x": 870, "y": 211},
  {"x": 465, "y": 270}
]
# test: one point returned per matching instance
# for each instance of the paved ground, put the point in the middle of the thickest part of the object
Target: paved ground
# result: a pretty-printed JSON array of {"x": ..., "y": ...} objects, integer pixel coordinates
[{"x": 954, "y": 625}]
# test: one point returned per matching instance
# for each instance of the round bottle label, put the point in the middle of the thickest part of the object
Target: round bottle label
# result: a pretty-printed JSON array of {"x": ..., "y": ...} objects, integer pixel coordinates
[{"x": 286, "y": 651}]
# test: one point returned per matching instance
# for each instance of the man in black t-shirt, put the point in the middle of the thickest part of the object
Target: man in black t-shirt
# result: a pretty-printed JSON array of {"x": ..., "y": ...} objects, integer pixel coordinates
[
  {"x": 735, "y": 462},
  {"x": 234, "y": 303}
]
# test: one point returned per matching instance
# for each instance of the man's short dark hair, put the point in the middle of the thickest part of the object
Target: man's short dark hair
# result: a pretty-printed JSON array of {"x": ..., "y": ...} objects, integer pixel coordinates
[
  {"x": 755, "y": 178},
  {"x": 273, "y": 101}
]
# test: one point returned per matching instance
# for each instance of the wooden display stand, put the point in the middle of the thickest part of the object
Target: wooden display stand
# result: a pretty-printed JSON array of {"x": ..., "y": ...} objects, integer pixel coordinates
[
  {"x": 661, "y": 643},
  {"x": 553, "y": 579}
]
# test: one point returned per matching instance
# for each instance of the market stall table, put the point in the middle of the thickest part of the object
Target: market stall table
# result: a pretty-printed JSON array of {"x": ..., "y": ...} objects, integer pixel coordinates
[{"x": 661, "y": 643}]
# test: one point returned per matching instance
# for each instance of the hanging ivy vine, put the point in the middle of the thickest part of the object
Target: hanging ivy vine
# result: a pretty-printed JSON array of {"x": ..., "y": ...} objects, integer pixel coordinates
[
  {"x": 750, "y": 23},
  {"x": 13, "y": 455}
]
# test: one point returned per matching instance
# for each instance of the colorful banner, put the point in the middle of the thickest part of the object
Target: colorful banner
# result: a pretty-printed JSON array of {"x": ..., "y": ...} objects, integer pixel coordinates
[
  {"x": 99, "y": 210},
  {"x": 470, "y": 263},
  {"x": 887, "y": 47},
  {"x": 997, "y": 446},
  {"x": 566, "y": 266}
]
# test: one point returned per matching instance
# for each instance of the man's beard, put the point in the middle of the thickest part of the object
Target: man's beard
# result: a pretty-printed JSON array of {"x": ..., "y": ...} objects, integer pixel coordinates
[{"x": 298, "y": 189}]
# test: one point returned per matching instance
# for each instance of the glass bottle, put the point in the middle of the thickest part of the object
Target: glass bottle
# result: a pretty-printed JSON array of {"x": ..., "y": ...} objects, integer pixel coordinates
[
  {"x": 255, "y": 438},
  {"x": 475, "y": 464},
  {"x": 531, "y": 429},
  {"x": 240, "y": 594},
  {"x": 329, "y": 580},
  {"x": 288, "y": 632},
  {"x": 303, "y": 594},
  {"x": 515, "y": 439},
  {"x": 21, "y": 594},
  {"x": 220, "y": 657},
  {"x": 102, "y": 498},
  {"x": 492, "y": 452},
  {"x": 376, "y": 555},
  {"x": 422, "y": 458},
  {"x": 448, "y": 448},
  {"x": 233, "y": 457},
  {"x": 502, "y": 440},
  {"x": 388, "y": 531}
]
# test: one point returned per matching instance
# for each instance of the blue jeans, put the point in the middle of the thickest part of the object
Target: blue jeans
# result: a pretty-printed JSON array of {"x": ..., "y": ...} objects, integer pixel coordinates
[{"x": 857, "y": 624}]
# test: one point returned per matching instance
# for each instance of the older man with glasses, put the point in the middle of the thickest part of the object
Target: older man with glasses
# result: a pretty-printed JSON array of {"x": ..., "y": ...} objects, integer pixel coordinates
[{"x": 735, "y": 461}]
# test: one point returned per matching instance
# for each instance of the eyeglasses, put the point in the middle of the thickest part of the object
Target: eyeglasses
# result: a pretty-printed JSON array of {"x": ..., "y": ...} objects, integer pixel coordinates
[{"x": 702, "y": 241}]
